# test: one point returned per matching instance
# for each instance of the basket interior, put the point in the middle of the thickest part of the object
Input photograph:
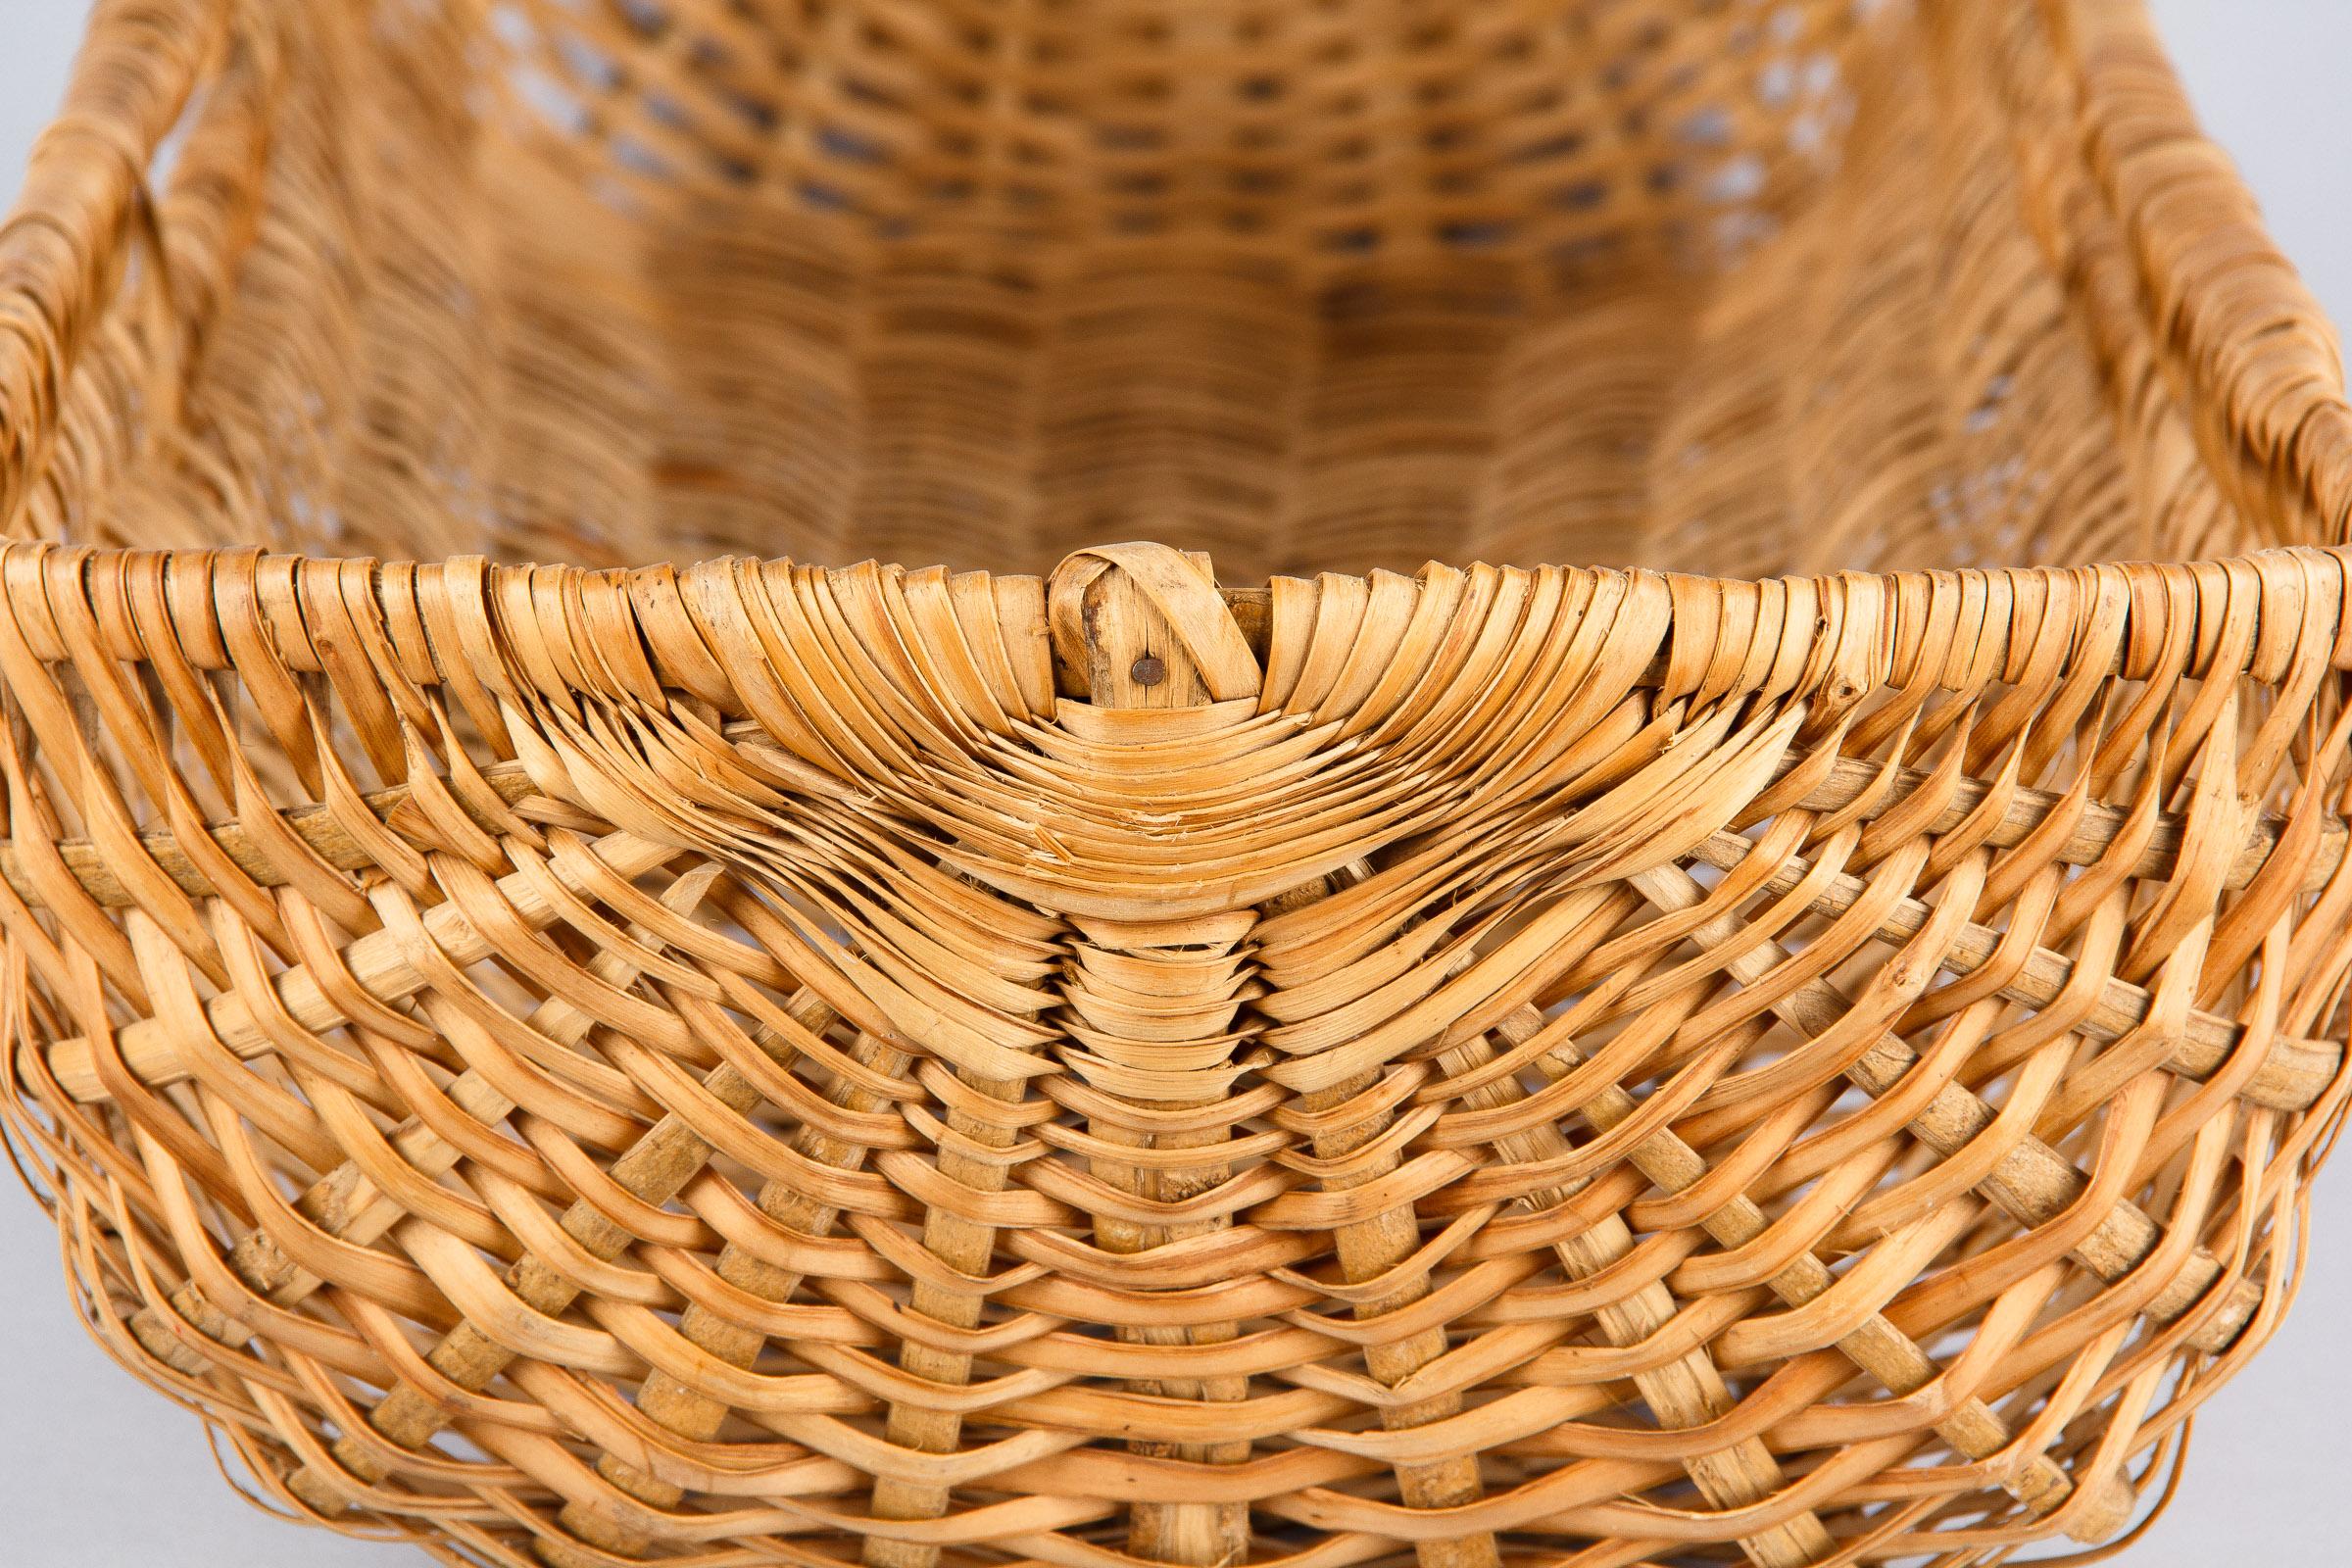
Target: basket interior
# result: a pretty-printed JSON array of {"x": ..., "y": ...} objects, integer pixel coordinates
[{"x": 1736, "y": 288}]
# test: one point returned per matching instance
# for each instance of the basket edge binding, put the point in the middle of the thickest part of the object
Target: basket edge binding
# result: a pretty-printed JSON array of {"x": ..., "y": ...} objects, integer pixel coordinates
[{"x": 1886, "y": 627}]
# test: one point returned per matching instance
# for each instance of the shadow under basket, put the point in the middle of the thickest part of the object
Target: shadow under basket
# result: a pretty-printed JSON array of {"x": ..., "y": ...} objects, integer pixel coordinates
[{"x": 1804, "y": 1036}]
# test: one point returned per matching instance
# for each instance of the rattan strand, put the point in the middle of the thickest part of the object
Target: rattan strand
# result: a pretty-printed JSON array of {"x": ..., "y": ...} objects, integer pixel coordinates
[{"x": 1803, "y": 1038}]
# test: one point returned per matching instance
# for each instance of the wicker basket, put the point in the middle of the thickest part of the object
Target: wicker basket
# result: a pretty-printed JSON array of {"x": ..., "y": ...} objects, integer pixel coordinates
[{"x": 752, "y": 1063}]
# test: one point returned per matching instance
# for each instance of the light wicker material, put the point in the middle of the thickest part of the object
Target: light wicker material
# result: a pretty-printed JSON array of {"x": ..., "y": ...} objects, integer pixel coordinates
[{"x": 727, "y": 1063}]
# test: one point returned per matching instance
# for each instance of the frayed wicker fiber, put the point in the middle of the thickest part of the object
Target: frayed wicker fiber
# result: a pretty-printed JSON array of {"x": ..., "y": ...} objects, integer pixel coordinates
[{"x": 1801, "y": 1037}]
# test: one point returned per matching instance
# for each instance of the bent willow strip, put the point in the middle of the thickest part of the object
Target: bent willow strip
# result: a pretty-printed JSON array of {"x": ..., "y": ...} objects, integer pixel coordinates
[{"x": 1803, "y": 1039}]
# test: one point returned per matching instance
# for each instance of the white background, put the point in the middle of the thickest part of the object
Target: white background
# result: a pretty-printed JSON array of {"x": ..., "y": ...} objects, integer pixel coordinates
[{"x": 97, "y": 1472}]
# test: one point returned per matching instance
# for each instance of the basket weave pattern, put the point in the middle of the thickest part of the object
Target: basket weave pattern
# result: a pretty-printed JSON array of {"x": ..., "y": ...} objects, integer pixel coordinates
[{"x": 1133, "y": 1055}]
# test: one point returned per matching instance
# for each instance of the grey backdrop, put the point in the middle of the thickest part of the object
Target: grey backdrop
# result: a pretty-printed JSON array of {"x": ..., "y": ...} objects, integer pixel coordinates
[{"x": 96, "y": 1471}]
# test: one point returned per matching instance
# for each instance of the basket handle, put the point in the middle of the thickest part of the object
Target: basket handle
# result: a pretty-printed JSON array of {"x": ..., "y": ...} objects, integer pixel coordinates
[{"x": 1181, "y": 587}]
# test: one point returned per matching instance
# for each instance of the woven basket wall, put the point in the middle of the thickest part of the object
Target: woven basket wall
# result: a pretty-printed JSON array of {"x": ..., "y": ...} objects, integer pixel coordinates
[{"x": 1790, "y": 1017}]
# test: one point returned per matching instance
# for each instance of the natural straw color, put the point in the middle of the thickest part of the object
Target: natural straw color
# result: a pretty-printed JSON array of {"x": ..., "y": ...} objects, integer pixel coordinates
[{"x": 725, "y": 1063}]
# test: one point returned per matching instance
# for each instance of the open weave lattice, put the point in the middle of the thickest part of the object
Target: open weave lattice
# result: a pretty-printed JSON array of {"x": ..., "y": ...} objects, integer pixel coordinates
[{"x": 728, "y": 1063}]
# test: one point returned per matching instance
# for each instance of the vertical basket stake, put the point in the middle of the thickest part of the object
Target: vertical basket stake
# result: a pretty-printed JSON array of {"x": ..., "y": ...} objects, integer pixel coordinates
[
  {"x": 1371, "y": 1248},
  {"x": 1874, "y": 1344},
  {"x": 668, "y": 1399},
  {"x": 1687, "y": 1392},
  {"x": 343, "y": 1203},
  {"x": 1128, "y": 655},
  {"x": 2032, "y": 1181}
]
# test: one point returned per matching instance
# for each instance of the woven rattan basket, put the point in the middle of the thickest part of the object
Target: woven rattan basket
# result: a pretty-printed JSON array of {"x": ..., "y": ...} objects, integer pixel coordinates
[{"x": 1803, "y": 1032}]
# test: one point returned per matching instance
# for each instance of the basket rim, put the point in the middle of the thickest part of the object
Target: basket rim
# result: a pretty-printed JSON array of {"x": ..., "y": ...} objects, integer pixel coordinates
[{"x": 2153, "y": 591}]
